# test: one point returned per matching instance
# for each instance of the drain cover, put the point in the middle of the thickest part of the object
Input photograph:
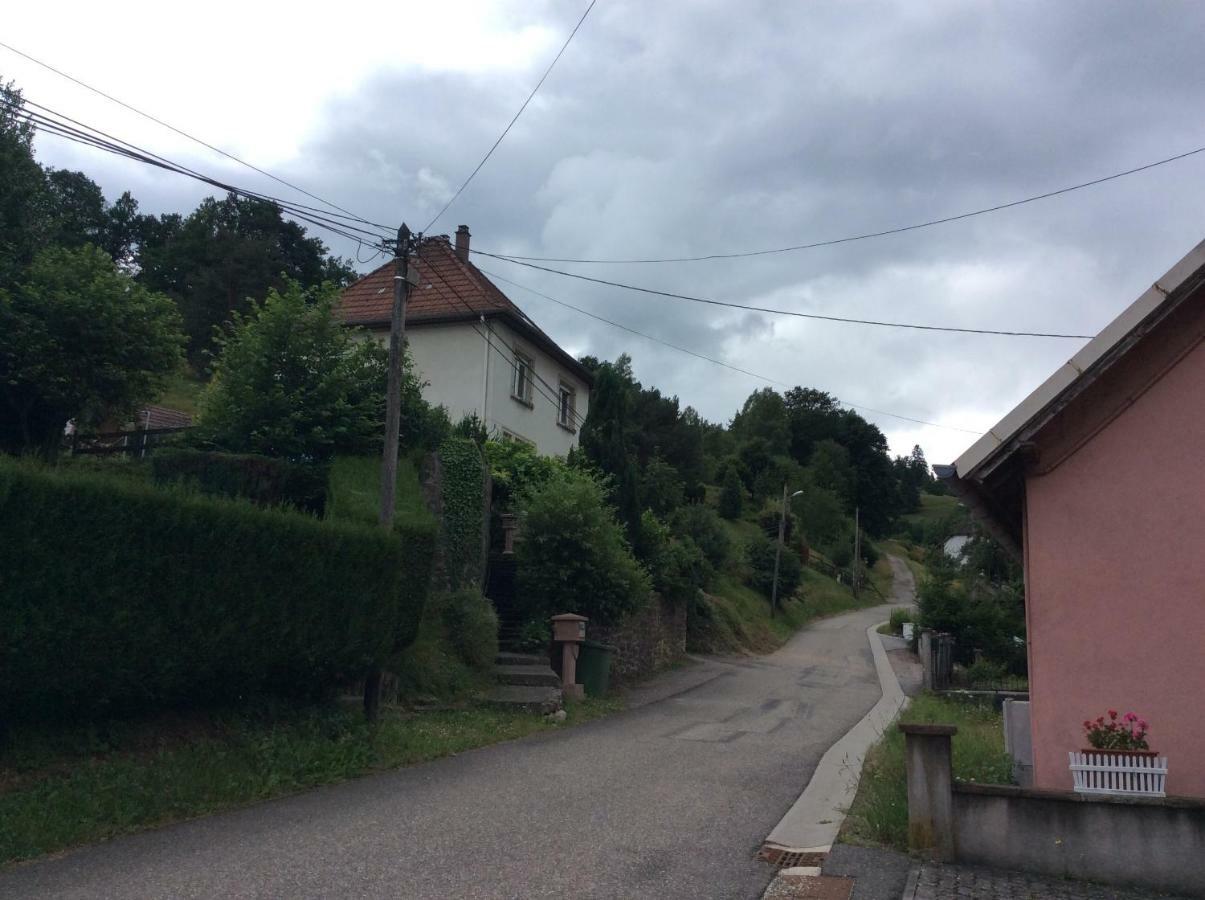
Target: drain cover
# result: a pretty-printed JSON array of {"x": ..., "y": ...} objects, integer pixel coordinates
[
  {"x": 782, "y": 858},
  {"x": 810, "y": 887}
]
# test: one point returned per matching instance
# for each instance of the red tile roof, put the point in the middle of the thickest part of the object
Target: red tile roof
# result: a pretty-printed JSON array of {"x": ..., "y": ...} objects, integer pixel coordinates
[
  {"x": 163, "y": 417},
  {"x": 448, "y": 290}
]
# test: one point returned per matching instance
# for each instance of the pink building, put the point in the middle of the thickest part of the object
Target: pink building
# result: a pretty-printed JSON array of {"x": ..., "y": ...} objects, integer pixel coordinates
[{"x": 1097, "y": 481}]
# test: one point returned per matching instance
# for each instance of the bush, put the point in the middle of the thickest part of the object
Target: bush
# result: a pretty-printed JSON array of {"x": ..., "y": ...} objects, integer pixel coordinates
[
  {"x": 731, "y": 495},
  {"x": 759, "y": 556},
  {"x": 572, "y": 555},
  {"x": 980, "y": 616},
  {"x": 704, "y": 528},
  {"x": 354, "y": 496},
  {"x": 898, "y": 617},
  {"x": 677, "y": 565},
  {"x": 464, "y": 512},
  {"x": 262, "y": 480},
  {"x": 472, "y": 627},
  {"x": 122, "y": 598}
]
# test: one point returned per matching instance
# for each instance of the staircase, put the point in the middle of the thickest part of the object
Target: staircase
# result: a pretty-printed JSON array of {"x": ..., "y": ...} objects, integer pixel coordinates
[{"x": 525, "y": 682}]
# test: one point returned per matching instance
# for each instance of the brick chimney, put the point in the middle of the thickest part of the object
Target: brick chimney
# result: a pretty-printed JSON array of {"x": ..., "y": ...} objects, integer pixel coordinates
[{"x": 462, "y": 243}]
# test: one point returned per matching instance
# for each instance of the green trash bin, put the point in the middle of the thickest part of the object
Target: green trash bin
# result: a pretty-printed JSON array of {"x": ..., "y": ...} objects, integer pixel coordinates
[{"x": 594, "y": 667}]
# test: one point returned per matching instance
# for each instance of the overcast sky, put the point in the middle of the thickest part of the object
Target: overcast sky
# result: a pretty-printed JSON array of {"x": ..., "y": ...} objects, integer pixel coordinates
[{"x": 685, "y": 128}]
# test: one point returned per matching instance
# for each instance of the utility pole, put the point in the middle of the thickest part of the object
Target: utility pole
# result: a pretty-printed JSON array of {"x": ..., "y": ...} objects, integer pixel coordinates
[
  {"x": 393, "y": 424},
  {"x": 857, "y": 549},
  {"x": 393, "y": 398},
  {"x": 782, "y": 522}
]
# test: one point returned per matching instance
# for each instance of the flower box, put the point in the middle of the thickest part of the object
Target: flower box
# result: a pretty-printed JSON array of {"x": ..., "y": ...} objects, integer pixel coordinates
[{"x": 1130, "y": 773}]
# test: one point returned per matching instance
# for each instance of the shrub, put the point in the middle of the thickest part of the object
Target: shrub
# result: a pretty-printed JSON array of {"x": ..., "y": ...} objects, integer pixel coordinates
[
  {"x": 122, "y": 598},
  {"x": 731, "y": 495},
  {"x": 472, "y": 627},
  {"x": 262, "y": 480},
  {"x": 759, "y": 556},
  {"x": 464, "y": 512},
  {"x": 677, "y": 565},
  {"x": 354, "y": 493},
  {"x": 898, "y": 617},
  {"x": 980, "y": 616},
  {"x": 572, "y": 555},
  {"x": 767, "y": 520},
  {"x": 703, "y": 527},
  {"x": 661, "y": 488}
]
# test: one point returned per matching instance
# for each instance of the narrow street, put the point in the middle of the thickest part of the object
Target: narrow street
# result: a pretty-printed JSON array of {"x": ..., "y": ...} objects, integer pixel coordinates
[{"x": 670, "y": 799}]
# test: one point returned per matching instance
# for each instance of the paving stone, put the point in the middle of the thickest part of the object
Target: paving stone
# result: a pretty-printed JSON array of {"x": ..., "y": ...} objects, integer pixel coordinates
[{"x": 933, "y": 881}]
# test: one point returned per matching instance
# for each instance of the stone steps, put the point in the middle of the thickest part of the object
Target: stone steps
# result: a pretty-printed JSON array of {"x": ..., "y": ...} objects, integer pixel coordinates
[
  {"x": 525, "y": 681},
  {"x": 532, "y": 699}
]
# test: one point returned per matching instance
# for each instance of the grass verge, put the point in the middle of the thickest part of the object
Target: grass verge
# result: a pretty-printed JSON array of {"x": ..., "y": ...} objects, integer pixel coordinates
[
  {"x": 72, "y": 786},
  {"x": 879, "y": 814}
]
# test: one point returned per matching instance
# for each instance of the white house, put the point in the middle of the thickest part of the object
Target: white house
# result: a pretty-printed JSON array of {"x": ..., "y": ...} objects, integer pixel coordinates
[{"x": 478, "y": 352}]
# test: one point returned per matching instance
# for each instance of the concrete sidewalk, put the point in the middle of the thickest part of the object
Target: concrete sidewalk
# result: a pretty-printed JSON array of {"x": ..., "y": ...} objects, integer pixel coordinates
[{"x": 668, "y": 800}]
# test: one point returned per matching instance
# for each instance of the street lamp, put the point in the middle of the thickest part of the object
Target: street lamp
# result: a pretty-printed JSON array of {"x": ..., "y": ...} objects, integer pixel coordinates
[{"x": 782, "y": 523}]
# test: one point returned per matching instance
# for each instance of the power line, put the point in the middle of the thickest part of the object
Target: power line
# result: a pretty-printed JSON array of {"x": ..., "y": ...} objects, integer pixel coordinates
[
  {"x": 718, "y": 362},
  {"x": 56, "y": 124},
  {"x": 782, "y": 312},
  {"x": 507, "y": 129},
  {"x": 872, "y": 234},
  {"x": 185, "y": 134}
]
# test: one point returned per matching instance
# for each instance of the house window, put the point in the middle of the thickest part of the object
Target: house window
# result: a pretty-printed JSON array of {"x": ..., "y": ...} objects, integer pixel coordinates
[
  {"x": 521, "y": 387},
  {"x": 567, "y": 409}
]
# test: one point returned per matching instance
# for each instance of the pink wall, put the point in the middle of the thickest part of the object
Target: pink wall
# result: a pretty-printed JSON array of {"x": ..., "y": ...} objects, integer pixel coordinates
[{"x": 1115, "y": 570}]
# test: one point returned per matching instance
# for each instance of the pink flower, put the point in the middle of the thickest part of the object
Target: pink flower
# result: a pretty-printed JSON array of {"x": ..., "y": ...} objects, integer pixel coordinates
[
  {"x": 1142, "y": 724},
  {"x": 1130, "y": 717},
  {"x": 1112, "y": 714}
]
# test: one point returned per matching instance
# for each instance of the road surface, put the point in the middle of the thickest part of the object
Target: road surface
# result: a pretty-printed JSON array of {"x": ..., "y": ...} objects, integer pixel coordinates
[{"x": 670, "y": 799}]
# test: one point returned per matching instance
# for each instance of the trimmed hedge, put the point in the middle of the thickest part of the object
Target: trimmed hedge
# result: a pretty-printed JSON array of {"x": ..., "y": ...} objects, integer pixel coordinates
[
  {"x": 464, "y": 511},
  {"x": 263, "y": 480},
  {"x": 120, "y": 598},
  {"x": 355, "y": 491}
]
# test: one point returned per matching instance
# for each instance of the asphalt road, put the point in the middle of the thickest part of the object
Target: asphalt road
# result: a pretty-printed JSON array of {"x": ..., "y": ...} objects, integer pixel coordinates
[{"x": 667, "y": 800}]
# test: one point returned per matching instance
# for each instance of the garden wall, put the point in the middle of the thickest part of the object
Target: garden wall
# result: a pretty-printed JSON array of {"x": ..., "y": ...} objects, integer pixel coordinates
[
  {"x": 646, "y": 641},
  {"x": 1151, "y": 843}
]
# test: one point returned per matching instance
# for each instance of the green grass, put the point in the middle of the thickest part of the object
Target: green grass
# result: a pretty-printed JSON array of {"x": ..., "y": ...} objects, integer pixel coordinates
[
  {"x": 67, "y": 787},
  {"x": 182, "y": 391},
  {"x": 879, "y": 814},
  {"x": 737, "y": 618},
  {"x": 933, "y": 508}
]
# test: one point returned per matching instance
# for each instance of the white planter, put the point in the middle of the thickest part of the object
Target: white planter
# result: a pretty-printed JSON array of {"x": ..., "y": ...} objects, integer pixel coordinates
[{"x": 1130, "y": 773}]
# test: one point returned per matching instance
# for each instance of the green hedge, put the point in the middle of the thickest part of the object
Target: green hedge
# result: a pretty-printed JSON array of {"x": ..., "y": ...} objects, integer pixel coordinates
[
  {"x": 355, "y": 491},
  {"x": 464, "y": 514},
  {"x": 120, "y": 598},
  {"x": 263, "y": 480}
]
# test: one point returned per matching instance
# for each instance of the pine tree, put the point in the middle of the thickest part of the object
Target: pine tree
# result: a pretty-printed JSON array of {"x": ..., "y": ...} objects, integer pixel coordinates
[{"x": 731, "y": 495}]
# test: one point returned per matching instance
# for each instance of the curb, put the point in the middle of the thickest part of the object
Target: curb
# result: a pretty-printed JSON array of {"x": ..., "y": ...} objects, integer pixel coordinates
[{"x": 813, "y": 821}]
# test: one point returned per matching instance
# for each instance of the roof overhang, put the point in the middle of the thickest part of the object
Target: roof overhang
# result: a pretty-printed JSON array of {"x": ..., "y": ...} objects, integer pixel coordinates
[{"x": 989, "y": 476}]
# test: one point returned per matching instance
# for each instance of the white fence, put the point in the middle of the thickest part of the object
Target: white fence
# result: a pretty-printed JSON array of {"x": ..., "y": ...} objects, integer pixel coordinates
[{"x": 1101, "y": 772}]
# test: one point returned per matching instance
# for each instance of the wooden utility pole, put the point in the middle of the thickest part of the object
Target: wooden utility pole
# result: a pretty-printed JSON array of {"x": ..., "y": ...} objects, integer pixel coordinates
[
  {"x": 393, "y": 424},
  {"x": 782, "y": 522},
  {"x": 393, "y": 398},
  {"x": 857, "y": 549}
]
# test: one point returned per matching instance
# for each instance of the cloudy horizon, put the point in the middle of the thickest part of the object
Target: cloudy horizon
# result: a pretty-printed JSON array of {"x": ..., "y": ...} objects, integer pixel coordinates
[{"x": 688, "y": 129}]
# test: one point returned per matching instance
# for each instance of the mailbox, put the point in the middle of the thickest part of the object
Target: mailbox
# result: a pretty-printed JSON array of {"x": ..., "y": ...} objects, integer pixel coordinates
[
  {"x": 568, "y": 627},
  {"x": 569, "y": 630}
]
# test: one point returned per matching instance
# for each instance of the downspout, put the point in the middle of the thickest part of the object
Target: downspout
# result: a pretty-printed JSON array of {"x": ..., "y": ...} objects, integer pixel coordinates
[{"x": 485, "y": 374}]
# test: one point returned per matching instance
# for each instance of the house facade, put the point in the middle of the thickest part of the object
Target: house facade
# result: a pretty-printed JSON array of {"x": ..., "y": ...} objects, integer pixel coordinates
[
  {"x": 475, "y": 350},
  {"x": 1097, "y": 482}
]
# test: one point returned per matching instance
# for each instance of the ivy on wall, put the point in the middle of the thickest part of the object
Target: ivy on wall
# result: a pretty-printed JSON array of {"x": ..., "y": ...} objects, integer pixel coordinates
[{"x": 464, "y": 510}]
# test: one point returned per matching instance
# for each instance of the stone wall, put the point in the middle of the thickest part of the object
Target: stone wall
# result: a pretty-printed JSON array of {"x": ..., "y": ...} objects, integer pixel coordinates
[{"x": 646, "y": 641}]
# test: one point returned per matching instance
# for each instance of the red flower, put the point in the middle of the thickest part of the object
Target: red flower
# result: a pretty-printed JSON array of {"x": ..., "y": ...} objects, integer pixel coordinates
[{"x": 1112, "y": 714}]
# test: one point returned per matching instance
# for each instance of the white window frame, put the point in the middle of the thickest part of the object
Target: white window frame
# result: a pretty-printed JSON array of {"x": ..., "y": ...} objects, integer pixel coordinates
[
  {"x": 508, "y": 435},
  {"x": 521, "y": 387},
  {"x": 566, "y": 414}
]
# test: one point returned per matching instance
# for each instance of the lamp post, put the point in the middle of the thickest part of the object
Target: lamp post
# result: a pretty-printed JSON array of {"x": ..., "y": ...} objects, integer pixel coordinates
[{"x": 782, "y": 524}]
